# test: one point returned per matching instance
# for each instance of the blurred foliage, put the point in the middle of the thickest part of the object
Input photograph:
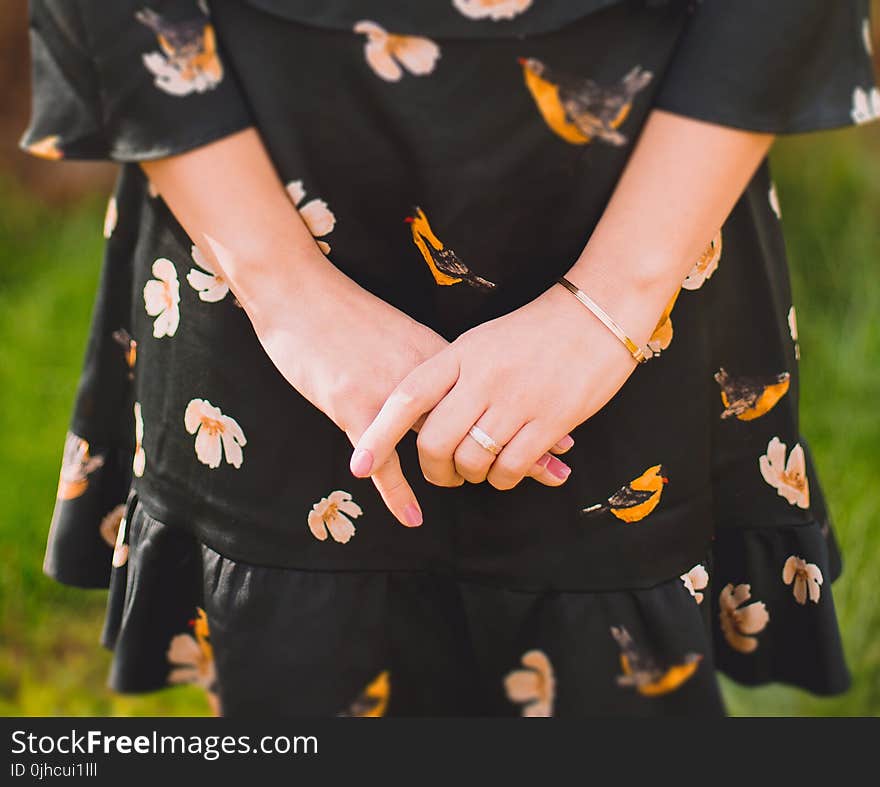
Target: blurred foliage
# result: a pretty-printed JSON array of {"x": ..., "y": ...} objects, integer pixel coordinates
[
  {"x": 829, "y": 189},
  {"x": 50, "y": 659}
]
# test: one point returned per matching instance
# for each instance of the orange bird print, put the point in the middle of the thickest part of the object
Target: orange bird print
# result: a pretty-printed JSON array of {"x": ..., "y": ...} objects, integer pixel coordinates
[
  {"x": 129, "y": 348},
  {"x": 635, "y": 500},
  {"x": 644, "y": 674},
  {"x": 749, "y": 398},
  {"x": 192, "y": 659},
  {"x": 443, "y": 262},
  {"x": 373, "y": 700},
  {"x": 578, "y": 109},
  {"x": 188, "y": 61}
]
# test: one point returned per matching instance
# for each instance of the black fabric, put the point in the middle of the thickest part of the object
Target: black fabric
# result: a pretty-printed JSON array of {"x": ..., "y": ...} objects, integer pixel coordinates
[
  {"x": 783, "y": 67},
  {"x": 510, "y": 145},
  {"x": 293, "y": 643},
  {"x": 790, "y": 66},
  {"x": 448, "y": 18},
  {"x": 127, "y": 80}
]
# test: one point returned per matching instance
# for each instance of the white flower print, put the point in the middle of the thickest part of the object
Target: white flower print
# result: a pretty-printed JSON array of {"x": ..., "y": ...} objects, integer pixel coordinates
[
  {"x": 866, "y": 105},
  {"x": 188, "y": 60},
  {"x": 192, "y": 659},
  {"x": 534, "y": 687},
  {"x": 110, "y": 217},
  {"x": 191, "y": 664},
  {"x": 109, "y": 527},
  {"x": 329, "y": 514},
  {"x": 696, "y": 580},
  {"x": 788, "y": 478},
  {"x": 193, "y": 656},
  {"x": 211, "y": 286},
  {"x": 866, "y": 37},
  {"x": 740, "y": 623},
  {"x": 215, "y": 434},
  {"x": 807, "y": 579},
  {"x": 773, "y": 199},
  {"x": 120, "y": 548},
  {"x": 387, "y": 52},
  {"x": 168, "y": 76},
  {"x": 315, "y": 213},
  {"x": 162, "y": 298},
  {"x": 491, "y": 9},
  {"x": 140, "y": 458},
  {"x": 792, "y": 329}
]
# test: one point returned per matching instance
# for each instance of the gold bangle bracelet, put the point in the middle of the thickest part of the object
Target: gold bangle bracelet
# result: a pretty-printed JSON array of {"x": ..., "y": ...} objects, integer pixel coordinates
[{"x": 641, "y": 354}]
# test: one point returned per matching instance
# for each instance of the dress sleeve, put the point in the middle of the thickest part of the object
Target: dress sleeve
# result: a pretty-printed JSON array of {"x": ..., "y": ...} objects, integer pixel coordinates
[
  {"x": 127, "y": 80},
  {"x": 780, "y": 67}
]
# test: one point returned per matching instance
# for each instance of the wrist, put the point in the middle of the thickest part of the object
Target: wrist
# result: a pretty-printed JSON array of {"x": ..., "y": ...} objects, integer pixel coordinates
[
  {"x": 635, "y": 297},
  {"x": 273, "y": 283}
]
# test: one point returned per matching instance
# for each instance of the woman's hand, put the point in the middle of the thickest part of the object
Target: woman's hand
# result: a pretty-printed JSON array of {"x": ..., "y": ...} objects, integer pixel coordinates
[
  {"x": 341, "y": 347},
  {"x": 530, "y": 376},
  {"x": 345, "y": 350},
  {"x": 526, "y": 379}
]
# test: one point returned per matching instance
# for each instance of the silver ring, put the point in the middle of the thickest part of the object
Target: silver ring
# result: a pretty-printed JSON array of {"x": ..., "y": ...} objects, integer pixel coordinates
[{"x": 484, "y": 440}]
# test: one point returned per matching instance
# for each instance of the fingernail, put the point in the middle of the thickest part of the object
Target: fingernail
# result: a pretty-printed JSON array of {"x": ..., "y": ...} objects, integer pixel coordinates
[
  {"x": 558, "y": 469},
  {"x": 412, "y": 515},
  {"x": 361, "y": 462},
  {"x": 565, "y": 443}
]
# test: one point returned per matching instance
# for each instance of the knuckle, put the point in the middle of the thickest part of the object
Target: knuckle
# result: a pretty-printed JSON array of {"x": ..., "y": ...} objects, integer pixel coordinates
[
  {"x": 406, "y": 394},
  {"x": 516, "y": 465},
  {"x": 470, "y": 467},
  {"x": 471, "y": 476},
  {"x": 344, "y": 388},
  {"x": 507, "y": 472},
  {"x": 428, "y": 445}
]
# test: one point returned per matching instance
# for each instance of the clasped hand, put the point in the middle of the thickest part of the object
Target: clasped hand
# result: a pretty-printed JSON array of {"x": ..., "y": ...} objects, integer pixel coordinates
[{"x": 525, "y": 379}]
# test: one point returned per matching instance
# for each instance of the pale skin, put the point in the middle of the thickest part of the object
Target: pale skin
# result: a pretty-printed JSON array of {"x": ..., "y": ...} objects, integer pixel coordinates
[
  {"x": 341, "y": 347},
  {"x": 680, "y": 184},
  {"x": 377, "y": 373}
]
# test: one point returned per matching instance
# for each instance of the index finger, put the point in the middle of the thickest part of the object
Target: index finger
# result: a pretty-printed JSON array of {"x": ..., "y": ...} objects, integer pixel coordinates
[{"x": 416, "y": 394}]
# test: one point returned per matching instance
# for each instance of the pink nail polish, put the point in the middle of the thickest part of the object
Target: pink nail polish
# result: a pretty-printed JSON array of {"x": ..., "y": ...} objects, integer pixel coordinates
[
  {"x": 361, "y": 462},
  {"x": 412, "y": 515},
  {"x": 566, "y": 442},
  {"x": 558, "y": 469}
]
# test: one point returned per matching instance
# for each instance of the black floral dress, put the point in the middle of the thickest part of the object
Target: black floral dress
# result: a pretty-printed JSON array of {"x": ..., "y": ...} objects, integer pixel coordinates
[{"x": 453, "y": 157}]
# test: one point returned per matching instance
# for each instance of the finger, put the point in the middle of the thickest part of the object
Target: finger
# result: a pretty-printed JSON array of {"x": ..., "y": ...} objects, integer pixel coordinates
[
  {"x": 563, "y": 445},
  {"x": 442, "y": 431},
  {"x": 392, "y": 485},
  {"x": 415, "y": 395},
  {"x": 550, "y": 471},
  {"x": 524, "y": 455},
  {"x": 397, "y": 493},
  {"x": 472, "y": 460}
]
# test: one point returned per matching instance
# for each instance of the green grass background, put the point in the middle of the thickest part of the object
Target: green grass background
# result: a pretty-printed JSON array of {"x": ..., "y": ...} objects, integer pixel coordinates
[{"x": 50, "y": 659}]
